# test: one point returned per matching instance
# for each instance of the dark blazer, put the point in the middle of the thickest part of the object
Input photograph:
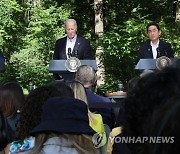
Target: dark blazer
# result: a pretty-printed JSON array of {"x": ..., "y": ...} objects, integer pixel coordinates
[
  {"x": 2, "y": 58},
  {"x": 82, "y": 46},
  {"x": 164, "y": 49}
]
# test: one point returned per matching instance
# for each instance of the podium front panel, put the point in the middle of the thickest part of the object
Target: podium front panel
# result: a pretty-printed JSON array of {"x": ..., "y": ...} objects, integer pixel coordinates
[
  {"x": 58, "y": 66},
  {"x": 146, "y": 64},
  {"x": 151, "y": 64}
]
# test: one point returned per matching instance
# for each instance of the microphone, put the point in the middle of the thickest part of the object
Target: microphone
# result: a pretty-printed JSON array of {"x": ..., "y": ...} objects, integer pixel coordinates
[
  {"x": 69, "y": 52},
  {"x": 76, "y": 53}
]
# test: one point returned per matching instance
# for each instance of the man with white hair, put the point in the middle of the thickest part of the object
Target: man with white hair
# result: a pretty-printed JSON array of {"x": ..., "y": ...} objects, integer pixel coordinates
[
  {"x": 73, "y": 44},
  {"x": 87, "y": 76}
]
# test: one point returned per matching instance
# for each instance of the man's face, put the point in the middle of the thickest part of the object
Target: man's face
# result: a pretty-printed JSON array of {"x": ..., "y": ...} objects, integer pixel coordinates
[
  {"x": 71, "y": 29},
  {"x": 153, "y": 33}
]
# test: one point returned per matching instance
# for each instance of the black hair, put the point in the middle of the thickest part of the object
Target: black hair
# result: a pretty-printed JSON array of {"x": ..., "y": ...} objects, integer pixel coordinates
[
  {"x": 63, "y": 88},
  {"x": 152, "y": 24},
  {"x": 151, "y": 92},
  {"x": 32, "y": 109}
]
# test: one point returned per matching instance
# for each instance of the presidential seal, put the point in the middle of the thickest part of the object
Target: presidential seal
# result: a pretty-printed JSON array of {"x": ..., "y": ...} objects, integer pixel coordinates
[
  {"x": 72, "y": 64},
  {"x": 162, "y": 62}
]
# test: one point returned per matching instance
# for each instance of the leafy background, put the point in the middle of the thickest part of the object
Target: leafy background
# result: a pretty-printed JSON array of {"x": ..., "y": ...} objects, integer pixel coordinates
[{"x": 29, "y": 29}]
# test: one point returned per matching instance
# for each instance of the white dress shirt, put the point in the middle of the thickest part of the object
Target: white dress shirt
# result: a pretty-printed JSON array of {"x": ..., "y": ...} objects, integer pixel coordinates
[
  {"x": 154, "y": 49},
  {"x": 70, "y": 44}
]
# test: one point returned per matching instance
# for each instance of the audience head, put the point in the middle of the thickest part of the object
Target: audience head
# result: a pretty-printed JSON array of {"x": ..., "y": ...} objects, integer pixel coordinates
[
  {"x": 165, "y": 123},
  {"x": 151, "y": 92},
  {"x": 71, "y": 28},
  {"x": 63, "y": 88},
  {"x": 87, "y": 76},
  {"x": 146, "y": 72},
  {"x": 11, "y": 98},
  {"x": 31, "y": 112},
  {"x": 132, "y": 84},
  {"x": 153, "y": 32}
]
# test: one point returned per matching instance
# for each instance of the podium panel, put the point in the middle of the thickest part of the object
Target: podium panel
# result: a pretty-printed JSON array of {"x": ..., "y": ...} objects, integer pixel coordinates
[
  {"x": 58, "y": 67},
  {"x": 150, "y": 64}
]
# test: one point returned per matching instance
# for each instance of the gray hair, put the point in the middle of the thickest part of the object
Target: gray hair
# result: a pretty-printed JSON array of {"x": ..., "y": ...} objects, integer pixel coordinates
[
  {"x": 72, "y": 21},
  {"x": 86, "y": 75}
]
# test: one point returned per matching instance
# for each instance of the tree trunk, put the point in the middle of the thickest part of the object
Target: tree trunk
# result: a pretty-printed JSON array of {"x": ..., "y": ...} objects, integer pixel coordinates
[
  {"x": 99, "y": 29},
  {"x": 177, "y": 11}
]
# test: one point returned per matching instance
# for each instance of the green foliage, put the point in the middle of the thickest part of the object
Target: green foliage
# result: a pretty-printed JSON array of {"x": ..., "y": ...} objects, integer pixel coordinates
[
  {"x": 83, "y": 13},
  {"x": 171, "y": 34},
  {"x": 120, "y": 49},
  {"x": 30, "y": 67},
  {"x": 29, "y": 63},
  {"x": 9, "y": 27},
  {"x": 42, "y": 32},
  {"x": 29, "y": 29},
  {"x": 121, "y": 45}
]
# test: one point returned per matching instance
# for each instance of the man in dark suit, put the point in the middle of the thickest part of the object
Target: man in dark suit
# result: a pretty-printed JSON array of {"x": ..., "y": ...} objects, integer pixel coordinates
[
  {"x": 72, "y": 45},
  {"x": 87, "y": 76},
  {"x": 154, "y": 47}
]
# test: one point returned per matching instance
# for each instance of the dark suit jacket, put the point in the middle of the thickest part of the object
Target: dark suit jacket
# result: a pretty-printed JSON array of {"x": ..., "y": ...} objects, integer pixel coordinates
[
  {"x": 82, "y": 46},
  {"x": 164, "y": 49},
  {"x": 2, "y": 58},
  {"x": 2, "y": 63},
  {"x": 106, "y": 113}
]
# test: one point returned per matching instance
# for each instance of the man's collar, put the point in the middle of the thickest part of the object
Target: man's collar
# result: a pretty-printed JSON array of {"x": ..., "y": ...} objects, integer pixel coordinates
[
  {"x": 152, "y": 44},
  {"x": 73, "y": 39}
]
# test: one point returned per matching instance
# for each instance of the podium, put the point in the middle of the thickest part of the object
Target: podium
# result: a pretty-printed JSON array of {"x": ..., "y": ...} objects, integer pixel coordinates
[
  {"x": 2, "y": 67},
  {"x": 58, "y": 67},
  {"x": 150, "y": 64}
]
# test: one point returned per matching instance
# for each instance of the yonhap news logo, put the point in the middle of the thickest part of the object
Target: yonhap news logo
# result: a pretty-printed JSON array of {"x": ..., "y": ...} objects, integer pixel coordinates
[
  {"x": 144, "y": 139},
  {"x": 100, "y": 139}
]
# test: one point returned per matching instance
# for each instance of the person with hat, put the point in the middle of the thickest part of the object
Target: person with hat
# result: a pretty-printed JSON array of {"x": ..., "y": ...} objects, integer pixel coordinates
[{"x": 64, "y": 128}]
